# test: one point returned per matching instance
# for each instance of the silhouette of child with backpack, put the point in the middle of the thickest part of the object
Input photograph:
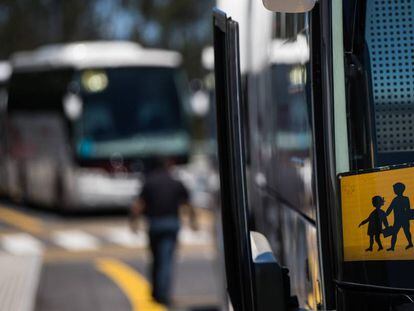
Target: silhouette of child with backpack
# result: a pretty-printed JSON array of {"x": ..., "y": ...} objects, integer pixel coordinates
[{"x": 375, "y": 221}]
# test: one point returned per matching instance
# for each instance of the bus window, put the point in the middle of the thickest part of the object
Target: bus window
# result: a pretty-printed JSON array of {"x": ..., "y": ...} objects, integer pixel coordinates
[
  {"x": 378, "y": 44},
  {"x": 279, "y": 100},
  {"x": 47, "y": 87},
  {"x": 34, "y": 112},
  {"x": 291, "y": 100},
  {"x": 288, "y": 25},
  {"x": 151, "y": 98}
]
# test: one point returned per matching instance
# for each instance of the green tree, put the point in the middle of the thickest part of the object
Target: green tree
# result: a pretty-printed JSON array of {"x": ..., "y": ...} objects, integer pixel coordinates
[{"x": 182, "y": 25}]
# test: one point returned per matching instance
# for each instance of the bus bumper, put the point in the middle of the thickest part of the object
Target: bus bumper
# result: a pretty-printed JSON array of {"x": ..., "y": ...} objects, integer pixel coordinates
[{"x": 100, "y": 190}]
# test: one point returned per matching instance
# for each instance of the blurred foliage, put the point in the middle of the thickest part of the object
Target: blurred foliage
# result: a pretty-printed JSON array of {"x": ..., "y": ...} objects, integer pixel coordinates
[{"x": 182, "y": 25}]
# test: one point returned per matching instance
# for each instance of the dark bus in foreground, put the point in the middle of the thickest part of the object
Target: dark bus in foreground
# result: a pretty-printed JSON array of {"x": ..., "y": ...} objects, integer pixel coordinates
[
  {"x": 85, "y": 121},
  {"x": 316, "y": 149}
]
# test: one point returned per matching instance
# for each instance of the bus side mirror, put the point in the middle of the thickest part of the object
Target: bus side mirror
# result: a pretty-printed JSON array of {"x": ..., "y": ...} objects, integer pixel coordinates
[
  {"x": 200, "y": 103},
  {"x": 289, "y": 6},
  {"x": 72, "y": 106},
  {"x": 272, "y": 281}
]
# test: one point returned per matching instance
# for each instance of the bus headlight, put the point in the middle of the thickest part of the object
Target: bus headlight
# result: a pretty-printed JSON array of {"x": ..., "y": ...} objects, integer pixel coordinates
[{"x": 94, "y": 81}]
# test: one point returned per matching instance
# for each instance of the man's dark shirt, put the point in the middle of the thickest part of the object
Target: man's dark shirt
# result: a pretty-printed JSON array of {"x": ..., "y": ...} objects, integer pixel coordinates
[{"x": 163, "y": 194}]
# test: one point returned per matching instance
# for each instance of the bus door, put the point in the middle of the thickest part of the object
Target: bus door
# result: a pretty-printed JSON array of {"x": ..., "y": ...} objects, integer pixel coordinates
[
  {"x": 375, "y": 168},
  {"x": 255, "y": 281}
]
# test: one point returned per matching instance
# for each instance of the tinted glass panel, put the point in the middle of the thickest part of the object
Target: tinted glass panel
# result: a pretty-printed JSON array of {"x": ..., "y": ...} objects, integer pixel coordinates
[
  {"x": 132, "y": 111},
  {"x": 40, "y": 90},
  {"x": 378, "y": 41},
  {"x": 131, "y": 101}
]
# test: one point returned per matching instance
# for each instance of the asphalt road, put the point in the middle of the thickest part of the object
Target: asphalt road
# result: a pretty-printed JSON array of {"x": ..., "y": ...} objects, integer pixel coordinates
[{"x": 52, "y": 262}]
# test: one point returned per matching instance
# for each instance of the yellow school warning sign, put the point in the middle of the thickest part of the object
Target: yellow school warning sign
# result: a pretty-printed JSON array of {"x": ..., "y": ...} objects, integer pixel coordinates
[{"x": 378, "y": 214}]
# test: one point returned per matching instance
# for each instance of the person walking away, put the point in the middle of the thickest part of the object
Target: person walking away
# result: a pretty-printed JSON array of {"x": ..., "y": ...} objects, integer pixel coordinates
[
  {"x": 375, "y": 221},
  {"x": 401, "y": 207},
  {"x": 160, "y": 200}
]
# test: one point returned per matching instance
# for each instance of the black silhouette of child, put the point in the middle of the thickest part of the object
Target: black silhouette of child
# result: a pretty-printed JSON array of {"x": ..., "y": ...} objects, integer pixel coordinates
[
  {"x": 375, "y": 221},
  {"x": 401, "y": 206}
]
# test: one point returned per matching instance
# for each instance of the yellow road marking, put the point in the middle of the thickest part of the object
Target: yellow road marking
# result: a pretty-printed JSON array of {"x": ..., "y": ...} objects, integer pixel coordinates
[
  {"x": 21, "y": 221},
  {"x": 135, "y": 287}
]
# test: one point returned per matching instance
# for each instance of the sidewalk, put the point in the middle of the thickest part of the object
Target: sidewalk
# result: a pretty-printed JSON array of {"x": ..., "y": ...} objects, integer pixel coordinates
[{"x": 19, "y": 278}]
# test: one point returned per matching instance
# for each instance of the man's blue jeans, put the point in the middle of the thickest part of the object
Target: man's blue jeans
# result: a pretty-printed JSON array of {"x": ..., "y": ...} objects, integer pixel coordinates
[{"x": 163, "y": 240}]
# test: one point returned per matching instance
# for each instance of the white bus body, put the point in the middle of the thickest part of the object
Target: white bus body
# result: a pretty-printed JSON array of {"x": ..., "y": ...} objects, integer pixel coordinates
[{"x": 86, "y": 120}]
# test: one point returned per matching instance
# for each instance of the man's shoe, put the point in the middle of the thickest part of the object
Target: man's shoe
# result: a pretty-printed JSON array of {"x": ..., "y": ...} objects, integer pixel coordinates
[
  {"x": 380, "y": 248},
  {"x": 369, "y": 249},
  {"x": 409, "y": 246},
  {"x": 390, "y": 249}
]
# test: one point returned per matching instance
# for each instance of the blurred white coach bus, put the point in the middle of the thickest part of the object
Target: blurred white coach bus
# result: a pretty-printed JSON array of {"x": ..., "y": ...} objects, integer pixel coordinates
[{"x": 86, "y": 120}]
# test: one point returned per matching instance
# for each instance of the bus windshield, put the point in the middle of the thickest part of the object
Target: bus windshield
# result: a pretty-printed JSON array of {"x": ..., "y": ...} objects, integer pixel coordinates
[{"x": 135, "y": 111}]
